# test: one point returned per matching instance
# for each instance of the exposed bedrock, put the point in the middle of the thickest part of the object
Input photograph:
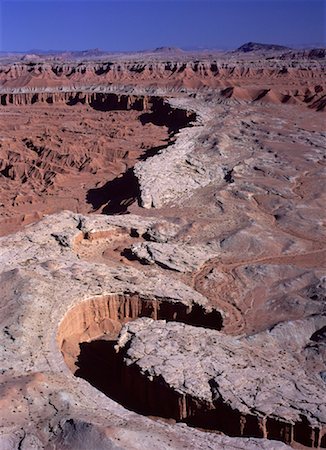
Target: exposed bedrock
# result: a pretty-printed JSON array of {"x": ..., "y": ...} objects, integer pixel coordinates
[
  {"x": 125, "y": 364},
  {"x": 232, "y": 389}
]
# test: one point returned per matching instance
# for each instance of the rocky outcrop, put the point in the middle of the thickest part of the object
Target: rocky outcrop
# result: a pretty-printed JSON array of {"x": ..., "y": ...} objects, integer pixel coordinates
[
  {"x": 105, "y": 316},
  {"x": 203, "y": 387},
  {"x": 190, "y": 381},
  {"x": 258, "y": 47},
  {"x": 173, "y": 257}
]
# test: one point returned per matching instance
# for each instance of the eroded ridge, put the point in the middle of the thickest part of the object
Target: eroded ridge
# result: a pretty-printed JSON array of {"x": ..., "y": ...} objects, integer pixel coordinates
[
  {"x": 275, "y": 80},
  {"x": 77, "y": 150},
  {"x": 96, "y": 347},
  {"x": 156, "y": 108}
]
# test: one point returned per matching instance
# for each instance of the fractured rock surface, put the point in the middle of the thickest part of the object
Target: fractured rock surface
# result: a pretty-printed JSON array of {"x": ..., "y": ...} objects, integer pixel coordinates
[{"x": 266, "y": 374}]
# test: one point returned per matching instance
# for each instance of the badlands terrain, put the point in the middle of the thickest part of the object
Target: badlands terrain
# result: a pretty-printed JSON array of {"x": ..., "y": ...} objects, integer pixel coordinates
[{"x": 163, "y": 250}]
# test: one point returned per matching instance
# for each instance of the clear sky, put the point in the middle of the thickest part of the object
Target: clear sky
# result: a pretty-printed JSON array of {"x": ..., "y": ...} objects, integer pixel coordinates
[{"x": 122, "y": 25}]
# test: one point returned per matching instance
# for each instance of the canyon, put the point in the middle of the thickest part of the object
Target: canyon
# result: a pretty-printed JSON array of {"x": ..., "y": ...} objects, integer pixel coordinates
[{"x": 163, "y": 251}]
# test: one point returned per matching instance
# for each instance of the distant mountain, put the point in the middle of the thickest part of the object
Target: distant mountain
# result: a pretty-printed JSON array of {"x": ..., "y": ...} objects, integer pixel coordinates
[
  {"x": 258, "y": 47},
  {"x": 317, "y": 53},
  {"x": 313, "y": 53},
  {"x": 168, "y": 50},
  {"x": 87, "y": 53}
]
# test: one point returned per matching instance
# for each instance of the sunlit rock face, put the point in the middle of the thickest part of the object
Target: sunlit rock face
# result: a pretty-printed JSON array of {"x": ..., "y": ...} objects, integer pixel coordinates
[{"x": 162, "y": 261}]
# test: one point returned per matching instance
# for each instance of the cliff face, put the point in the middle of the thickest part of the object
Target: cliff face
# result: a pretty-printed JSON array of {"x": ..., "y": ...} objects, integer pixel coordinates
[
  {"x": 106, "y": 316},
  {"x": 132, "y": 370},
  {"x": 158, "y": 110},
  {"x": 106, "y": 102},
  {"x": 275, "y": 82},
  {"x": 209, "y": 73}
]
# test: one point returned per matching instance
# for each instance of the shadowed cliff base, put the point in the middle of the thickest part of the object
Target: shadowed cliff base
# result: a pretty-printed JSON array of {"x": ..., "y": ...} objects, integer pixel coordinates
[
  {"x": 106, "y": 315},
  {"x": 87, "y": 338},
  {"x": 163, "y": 115},
  {"x": 155, "y": 109},
  {"x": 117, "y": 195},
  {"x": 124, "y": 190},
  {"x": 104, "y": 367}
]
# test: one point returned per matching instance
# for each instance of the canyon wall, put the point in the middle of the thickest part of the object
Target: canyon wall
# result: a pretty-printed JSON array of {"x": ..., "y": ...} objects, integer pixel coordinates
[
  {"x": 56, "y": 73},
  {"x": 276, "y": 82},
  {"x": 89, "y": 340}
]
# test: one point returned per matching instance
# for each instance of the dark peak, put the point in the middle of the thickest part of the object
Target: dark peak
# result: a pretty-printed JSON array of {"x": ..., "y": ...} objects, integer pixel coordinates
[
  {"x": 88, "y": 52},
  {"x": 168, "y": 50},
  {"x": 317, "y": 53},
  {"x": 312, "y": 53},
  {"x": 256, "y": 47}
]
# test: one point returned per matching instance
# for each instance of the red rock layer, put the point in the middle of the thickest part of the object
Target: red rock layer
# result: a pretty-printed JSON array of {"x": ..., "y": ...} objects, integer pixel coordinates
[
  {"x": 61, "y": 150},
  {"x": 275, "y": 81}
]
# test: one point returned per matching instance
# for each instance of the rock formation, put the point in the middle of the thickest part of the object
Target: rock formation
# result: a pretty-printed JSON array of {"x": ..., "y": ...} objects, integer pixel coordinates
[
  {"x": 258, "y": 47},
  {"x": 285, "y": 80},
  {"x": 180, "y": 303}
]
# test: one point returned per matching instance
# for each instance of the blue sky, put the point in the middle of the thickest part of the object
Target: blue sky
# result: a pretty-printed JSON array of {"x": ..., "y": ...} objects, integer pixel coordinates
[{"x": 122, "y": 25}]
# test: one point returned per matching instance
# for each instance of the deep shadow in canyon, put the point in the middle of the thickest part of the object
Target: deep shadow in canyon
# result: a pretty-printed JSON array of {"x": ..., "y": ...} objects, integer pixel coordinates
[
  {"x": 104, "y": 368},
  {"x": 150, "y": 152},
  {"x": 163, "y": 114},
  {"x": 88, "y": 335},
  {"x": 117, "y": 195},
  {"x": 123, "y": 191}
]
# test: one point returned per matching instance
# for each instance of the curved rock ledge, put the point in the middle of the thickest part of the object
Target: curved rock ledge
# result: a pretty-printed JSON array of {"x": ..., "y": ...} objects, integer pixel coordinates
[
  {"x": 96, "y": 317},
  {"x": 44, "y": 275},
  {"x": 207, "y": 384},
  {"x": 181, "y": 373}
]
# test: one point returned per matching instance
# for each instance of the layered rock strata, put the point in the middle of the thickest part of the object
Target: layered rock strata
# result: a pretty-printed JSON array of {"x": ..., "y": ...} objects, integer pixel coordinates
[{"x": 279, "y": 80}]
